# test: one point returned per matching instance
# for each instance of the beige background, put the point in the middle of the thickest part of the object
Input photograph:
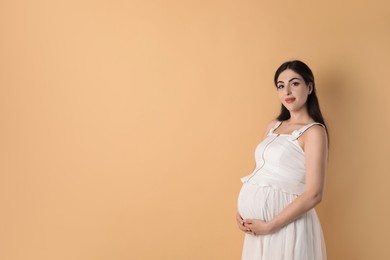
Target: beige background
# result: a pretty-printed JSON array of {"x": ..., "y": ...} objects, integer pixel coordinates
[{"x": 126, "y": 125}]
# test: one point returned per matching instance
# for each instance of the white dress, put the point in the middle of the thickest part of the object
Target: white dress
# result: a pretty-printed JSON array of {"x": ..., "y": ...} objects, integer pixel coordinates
[{"x": 278, "y": 179}]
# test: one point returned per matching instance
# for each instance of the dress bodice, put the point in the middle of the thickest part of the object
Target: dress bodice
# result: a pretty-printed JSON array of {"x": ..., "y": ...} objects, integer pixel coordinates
[{"x": 280, "y": 161}]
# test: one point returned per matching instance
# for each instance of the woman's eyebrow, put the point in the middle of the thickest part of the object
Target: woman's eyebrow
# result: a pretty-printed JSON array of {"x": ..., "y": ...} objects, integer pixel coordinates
[
  {"x": 293, "y": 79},
  {"x": 288, "y": 81}
]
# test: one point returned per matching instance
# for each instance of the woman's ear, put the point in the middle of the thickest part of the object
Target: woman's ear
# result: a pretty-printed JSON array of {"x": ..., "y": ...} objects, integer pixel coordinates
[{"x": 310, "y": 88}]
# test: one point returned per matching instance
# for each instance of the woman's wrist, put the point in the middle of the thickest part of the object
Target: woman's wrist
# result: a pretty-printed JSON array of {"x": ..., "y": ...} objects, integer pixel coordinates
[{"x": 272, "y": 226}]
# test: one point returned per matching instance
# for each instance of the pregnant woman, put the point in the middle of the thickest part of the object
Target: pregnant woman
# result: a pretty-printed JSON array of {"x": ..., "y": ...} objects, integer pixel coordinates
[{"x": 276, "y": 202}]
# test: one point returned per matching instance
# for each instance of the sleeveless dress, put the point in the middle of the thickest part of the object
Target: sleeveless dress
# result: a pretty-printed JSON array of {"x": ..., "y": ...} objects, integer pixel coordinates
[{"x": 278, "y": 179}]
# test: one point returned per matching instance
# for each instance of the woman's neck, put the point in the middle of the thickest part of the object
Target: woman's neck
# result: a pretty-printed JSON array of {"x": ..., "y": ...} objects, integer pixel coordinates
[{"x": 297, "y": 117}]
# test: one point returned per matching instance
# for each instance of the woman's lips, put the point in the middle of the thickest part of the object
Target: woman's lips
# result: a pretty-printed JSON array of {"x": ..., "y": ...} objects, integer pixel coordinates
[{"x": 289, "y": 100}]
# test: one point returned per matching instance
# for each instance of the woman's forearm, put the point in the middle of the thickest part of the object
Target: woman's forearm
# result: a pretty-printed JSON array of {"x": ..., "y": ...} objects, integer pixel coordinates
[{"x": 294, "y": 210}]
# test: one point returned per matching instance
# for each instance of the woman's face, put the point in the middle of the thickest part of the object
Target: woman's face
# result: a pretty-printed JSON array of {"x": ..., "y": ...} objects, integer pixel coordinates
[{"x": 292, "y": 90}]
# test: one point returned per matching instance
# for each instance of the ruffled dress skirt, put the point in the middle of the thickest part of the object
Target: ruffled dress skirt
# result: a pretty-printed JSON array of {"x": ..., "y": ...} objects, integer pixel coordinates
[{"x": 299, "y": 240}]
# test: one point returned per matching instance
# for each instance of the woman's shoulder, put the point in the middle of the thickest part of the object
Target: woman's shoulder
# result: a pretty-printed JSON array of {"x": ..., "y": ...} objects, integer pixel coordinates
[
  {"x": 316, "y": 132},
  {"x": 316, "y": 128},
  {"x": 270, "y": 125}
]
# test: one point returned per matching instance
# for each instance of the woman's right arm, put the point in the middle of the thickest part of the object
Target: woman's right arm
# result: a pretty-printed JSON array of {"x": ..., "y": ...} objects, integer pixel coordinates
[{"x": 239, "y": 219}]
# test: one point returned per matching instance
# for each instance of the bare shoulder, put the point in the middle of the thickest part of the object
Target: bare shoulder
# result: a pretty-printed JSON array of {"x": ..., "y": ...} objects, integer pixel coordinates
[
  {"x": 316, "y": 133},
  {"x": 270, "y": 125}
]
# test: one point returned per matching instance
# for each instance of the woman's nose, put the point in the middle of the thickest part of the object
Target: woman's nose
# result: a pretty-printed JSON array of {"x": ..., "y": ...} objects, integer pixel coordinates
[{"x": 288, "y": 90}]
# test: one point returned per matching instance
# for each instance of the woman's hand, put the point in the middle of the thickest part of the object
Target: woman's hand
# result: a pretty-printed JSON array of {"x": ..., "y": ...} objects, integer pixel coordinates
[
  {"x": 258, "y": 227},
  {"x": 240, "y": 223}
]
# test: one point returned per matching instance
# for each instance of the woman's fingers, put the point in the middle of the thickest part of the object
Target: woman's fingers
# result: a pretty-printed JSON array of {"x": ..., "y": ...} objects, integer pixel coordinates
[
  {"x": 241, "y": 226},
  {"x": 239, "y": 219},
  {"x": 246, "y": 225},
  {"x": 248, "y": 222},
  {"x": 240, "y": 223}
]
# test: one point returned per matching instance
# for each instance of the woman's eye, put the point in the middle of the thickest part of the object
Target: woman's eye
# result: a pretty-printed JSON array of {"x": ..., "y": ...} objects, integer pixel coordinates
[
  {"x": 295, "y": 83},
  {"x": 280, "y": 86}
]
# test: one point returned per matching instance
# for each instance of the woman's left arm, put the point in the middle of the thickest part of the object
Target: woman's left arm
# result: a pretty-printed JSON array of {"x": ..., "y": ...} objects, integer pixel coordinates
[{"x": 316, "y": 156}]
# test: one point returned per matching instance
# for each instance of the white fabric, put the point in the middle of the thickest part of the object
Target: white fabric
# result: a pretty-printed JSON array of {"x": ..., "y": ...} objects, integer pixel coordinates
[{"x": 278, "y": 179}]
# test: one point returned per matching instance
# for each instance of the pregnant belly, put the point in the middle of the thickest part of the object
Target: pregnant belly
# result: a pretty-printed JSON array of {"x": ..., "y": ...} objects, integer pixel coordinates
[{"x": 262, "y": 202}]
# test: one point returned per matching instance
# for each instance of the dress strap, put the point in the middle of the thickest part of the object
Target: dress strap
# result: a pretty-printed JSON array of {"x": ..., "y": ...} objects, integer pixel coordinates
[
  {"x": 297, "y": 133},
  {"x": 278, "y": 123}
]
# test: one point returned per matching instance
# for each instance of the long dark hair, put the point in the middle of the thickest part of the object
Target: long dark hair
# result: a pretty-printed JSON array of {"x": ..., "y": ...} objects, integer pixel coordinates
[{"x": 312, "y": 104}]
